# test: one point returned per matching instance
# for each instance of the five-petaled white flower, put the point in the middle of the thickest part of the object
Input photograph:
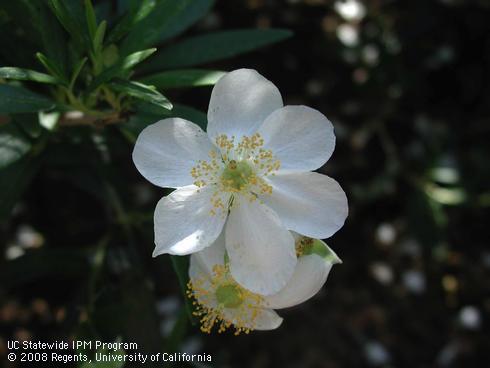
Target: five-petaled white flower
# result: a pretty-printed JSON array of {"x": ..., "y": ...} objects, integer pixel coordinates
[
  {"x": 220, "y": 301},
  {"x": 251, "y": 171}
]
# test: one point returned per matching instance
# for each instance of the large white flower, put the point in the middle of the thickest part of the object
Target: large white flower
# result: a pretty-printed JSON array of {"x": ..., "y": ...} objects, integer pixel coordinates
[
  {"x": 250, "y": 171},
  {"x": 221, "y": 301}
]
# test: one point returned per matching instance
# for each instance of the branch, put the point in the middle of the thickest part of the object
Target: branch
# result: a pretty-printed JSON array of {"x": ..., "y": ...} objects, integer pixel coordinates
[{"x": 73, "y": 118}]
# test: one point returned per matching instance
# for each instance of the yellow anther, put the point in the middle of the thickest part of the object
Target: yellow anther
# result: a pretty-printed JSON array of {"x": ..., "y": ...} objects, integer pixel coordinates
[{"x": 220, "y": 298}]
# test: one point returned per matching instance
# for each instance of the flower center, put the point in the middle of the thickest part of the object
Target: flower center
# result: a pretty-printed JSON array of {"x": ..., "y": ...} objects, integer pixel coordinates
[
  {"x": 221, "y": 301},
  {"x": 229, "y": 296},
  {"x": 236, "y": 168},
  {"x": 236, "y": 175}
]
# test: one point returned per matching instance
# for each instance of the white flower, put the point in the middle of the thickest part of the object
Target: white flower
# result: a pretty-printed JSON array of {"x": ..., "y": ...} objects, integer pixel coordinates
[
  {"x": 220, "y": 301},
  {"x": 251, "y": 170}
]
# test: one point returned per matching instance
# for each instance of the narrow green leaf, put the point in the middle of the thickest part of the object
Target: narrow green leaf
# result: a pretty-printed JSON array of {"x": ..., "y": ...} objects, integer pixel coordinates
[
  {"x": 13, "y": 144},
  {"x": 181, "y": 268},
  {"x": 131, "y": 60},
  {"x": 120, "y": 67},
  {"x": 20, "y": 100},
  {"x": 52, "y": 67},
  {"x": 68, "y": 14},
  {"x": 142, "y": 91},
  {"x": 91, "y": 19},
  {"x": 183, "y": 78},
  {"x": 167, "y": 19},
  {"x": 26, "y": 74},
  {"x": 213, "y": 46},
  {"x": 53, "y": 39},
  {"x": 99, "y": 36},
  {"x": 76, "y": 72},
  {"x": 132, "y": 17}
]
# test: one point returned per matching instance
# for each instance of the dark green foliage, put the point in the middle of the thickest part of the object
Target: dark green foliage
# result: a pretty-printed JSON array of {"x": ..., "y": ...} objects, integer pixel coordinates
[
  {"x": 14, "y": 100},
  {"x": 73, "y": 98},
  {"x": 214, "y": 46}
]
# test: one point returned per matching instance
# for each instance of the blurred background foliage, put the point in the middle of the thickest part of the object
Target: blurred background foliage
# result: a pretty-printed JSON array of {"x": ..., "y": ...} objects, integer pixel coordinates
[{"x": 406, "y": 84}]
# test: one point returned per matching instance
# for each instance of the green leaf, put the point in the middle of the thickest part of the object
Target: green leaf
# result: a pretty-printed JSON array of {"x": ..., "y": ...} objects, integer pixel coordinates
[
  {"x": 76, "y": 72},
  {"x": 15, "y": 100},
  {"x": 14, "y": 179},
  {"x": 181, "y": 268},
  {"x": 142, "y": 91},
  {"x": 91, "y": 19},
  {"x": 8, "y": 72},
  {"x": 52, "y": 37},
  {"x": 183, "y": 78},
  {"x": 13, "y": 144},
  {"x": 134, "y": 16},
  {"x": 213, "y": 46},
  {"x": 70, "y": 14},
  {"x": 99, "y": 37},
  {"x": 52, "y": 67},
  {"x": 120, "y": 67},
  {"x": 167, "y": 19}
]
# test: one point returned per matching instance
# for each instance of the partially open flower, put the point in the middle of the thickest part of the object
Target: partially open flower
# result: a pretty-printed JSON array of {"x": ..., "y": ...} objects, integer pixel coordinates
[
  {"x": 250, "y": 171},
  {"x": 220, "y": 301}
]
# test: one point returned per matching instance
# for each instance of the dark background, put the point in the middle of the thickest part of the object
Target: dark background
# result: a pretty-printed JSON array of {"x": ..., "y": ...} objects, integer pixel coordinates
[{"x": 407, "y": 89}]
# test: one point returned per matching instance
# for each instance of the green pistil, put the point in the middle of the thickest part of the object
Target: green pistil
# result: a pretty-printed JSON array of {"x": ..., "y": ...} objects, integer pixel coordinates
[
  {"x": 229, "y": 296},
  {"x": 236, "y": 175}
]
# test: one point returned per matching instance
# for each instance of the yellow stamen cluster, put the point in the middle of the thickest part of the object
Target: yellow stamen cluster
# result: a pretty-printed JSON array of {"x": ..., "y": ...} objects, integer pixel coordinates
[
  {"x": 205, "y": 172},
  {"x": 222, "y": 293},
  {"x": 250, "y": 148},
  {"x": 241, "y": 168},
  {"x": 303, "y": 245}
]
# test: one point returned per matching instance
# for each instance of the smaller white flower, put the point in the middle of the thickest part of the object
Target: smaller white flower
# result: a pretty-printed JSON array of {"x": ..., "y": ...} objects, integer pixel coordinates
[{"x": 222, "y": 302}]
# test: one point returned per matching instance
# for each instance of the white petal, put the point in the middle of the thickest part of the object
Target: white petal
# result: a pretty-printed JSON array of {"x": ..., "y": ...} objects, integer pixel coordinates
[
  {"x": 197, "y": 269},
  {"x": 200, "y": 274},
  {"x": 300, "y": 137},
  {"x": 266, "y": 319},
  {"x": 240, "y": 102},
  {"x": 309, "y": 276},
  {"x": 262, "y": 253},
  {"x": 309, "y": 203},
  {"x": 212, "y": 255},
  {"x": 184, "y": 223},
  {"x": 165, "y": 152}
]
